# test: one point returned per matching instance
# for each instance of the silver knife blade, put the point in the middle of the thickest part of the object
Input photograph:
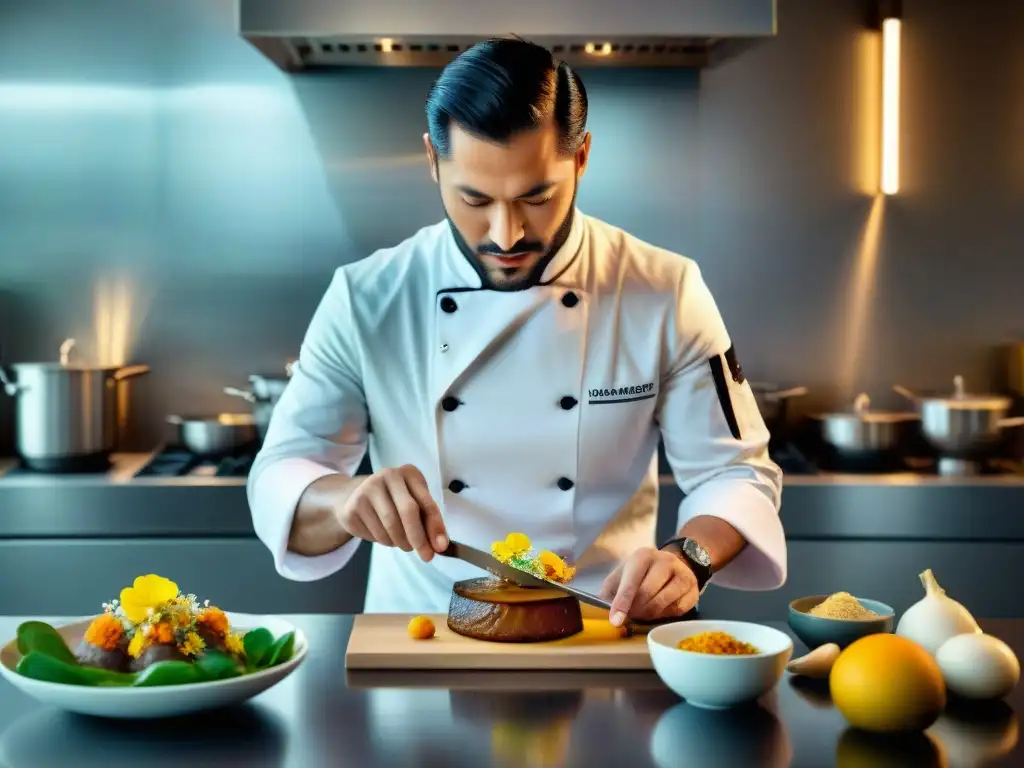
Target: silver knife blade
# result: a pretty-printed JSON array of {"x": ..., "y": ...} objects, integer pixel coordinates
[{"x": 488, "y": 562}]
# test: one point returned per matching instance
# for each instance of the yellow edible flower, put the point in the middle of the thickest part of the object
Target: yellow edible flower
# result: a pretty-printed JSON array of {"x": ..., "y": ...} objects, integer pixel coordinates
[
  {"x": 137, "y": 644},
  {"x": 192, "y": 644},
  {"x": 518, "y": 543},
  {"x": 146, "y": 593},
  {"x": 501, "y": 551},
  {"x": 233, "y": 643},
  {"x": 514, "y": 545}
]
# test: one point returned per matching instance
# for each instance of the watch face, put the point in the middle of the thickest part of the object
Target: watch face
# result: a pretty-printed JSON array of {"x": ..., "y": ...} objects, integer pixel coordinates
[{"x": 697, "y": 552}]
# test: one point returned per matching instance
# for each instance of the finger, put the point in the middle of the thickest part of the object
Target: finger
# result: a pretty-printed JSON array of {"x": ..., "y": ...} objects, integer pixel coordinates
[
  {"x": 610, "y": 585},
  {"x": 384, "y": 508},
  {"x": 354, "y": 527},
  {"x": 665, "y": 601},
  {"x": 633, "y": 574},
  {"x": 433, "y": 521},
  {"x": 659, "y": 575},
  {"x": 684, "y": 604},
  {"x": 368, "y": 517},
  {"x": 409, "y": 514}
]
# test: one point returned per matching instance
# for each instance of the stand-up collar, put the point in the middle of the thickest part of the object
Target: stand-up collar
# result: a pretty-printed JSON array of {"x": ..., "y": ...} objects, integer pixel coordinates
[{"x": 465, "y": 275}]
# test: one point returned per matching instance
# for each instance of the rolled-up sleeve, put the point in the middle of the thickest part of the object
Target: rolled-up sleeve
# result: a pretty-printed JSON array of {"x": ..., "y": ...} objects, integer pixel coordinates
[
  {"x": 716, "y": 440},
  {"x": 318, "y": 428}
]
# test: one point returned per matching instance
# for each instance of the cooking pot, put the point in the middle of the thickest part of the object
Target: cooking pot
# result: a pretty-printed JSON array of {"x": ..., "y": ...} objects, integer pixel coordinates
[
  {"x": 264, "y": 392},
  {"x": 962, "y": 425},
  {"x": 67, "y": 412},
  {"x": 864, "y": 436},
  {"x": 215, "y": 436}
]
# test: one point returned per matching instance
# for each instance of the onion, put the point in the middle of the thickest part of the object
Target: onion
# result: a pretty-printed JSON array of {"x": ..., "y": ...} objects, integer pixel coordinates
[{"x": 935, "y": 618}]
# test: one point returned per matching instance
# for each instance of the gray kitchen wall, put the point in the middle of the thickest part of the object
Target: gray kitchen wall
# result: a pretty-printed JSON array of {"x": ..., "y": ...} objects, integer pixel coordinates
[{"x": 169, "y": 197}]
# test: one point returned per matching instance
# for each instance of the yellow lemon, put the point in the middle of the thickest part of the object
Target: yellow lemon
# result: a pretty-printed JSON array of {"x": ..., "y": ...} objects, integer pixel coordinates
[{"x": 887, "y": 683}]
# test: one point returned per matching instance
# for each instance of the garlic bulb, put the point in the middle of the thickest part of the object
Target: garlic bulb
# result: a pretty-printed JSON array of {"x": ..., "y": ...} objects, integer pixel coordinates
[
  {"x": 935, "y": 618},
  {"x": 818, "y": 663}
]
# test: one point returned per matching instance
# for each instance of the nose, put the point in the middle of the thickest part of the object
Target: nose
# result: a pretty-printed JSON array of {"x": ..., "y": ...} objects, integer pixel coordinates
[{"x": 506, "y": 226}]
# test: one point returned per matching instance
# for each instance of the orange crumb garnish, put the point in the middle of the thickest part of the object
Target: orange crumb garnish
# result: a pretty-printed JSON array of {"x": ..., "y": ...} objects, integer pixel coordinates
[{"x": 719, "y": 643}]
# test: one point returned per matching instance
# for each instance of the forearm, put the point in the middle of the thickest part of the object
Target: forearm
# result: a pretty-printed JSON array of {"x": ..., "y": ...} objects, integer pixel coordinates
[
  {"x": 721, "y": 541},
  {"x": 316, "y": 529}
]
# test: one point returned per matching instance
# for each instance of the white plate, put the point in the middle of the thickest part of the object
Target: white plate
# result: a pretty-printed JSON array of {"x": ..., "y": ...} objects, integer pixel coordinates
[{"x": 161, "y": 701}]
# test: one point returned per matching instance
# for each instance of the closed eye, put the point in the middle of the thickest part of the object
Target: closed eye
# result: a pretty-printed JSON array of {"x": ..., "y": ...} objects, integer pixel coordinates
[{"x": 543, "y": 201}]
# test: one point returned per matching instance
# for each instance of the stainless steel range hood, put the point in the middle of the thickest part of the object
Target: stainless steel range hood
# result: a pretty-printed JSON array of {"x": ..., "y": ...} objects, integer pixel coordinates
[{"x": 302, "y": 34}]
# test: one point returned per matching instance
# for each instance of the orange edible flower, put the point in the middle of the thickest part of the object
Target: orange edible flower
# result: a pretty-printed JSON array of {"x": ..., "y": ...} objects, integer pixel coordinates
[
  {"x": 215, "y": 620},
  {"x": 161, "y": 633},
  {"x": 105, "y": 632},
  {"x": 555, "y": 567}
]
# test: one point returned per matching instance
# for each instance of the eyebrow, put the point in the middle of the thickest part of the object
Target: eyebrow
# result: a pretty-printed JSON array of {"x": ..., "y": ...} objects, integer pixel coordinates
[{"x": 541, "y": 188}]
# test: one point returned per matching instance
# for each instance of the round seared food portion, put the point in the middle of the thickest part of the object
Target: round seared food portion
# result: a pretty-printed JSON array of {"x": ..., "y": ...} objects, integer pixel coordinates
[
  {"x": 157, "y": 652},
  {"x": 114, "y": 659},
  {"x": 488, "y": 608}
]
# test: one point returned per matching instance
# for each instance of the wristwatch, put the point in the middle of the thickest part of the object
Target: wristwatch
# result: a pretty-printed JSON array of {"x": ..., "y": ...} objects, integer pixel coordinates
[{"x": 694, "y": 555}]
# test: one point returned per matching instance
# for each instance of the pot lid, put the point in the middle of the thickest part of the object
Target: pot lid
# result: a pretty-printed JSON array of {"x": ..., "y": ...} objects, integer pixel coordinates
[
  {"x": 961, "y": 399},
  {"x": 66, "y": 364},
  {"x": 861, "y": 412}
]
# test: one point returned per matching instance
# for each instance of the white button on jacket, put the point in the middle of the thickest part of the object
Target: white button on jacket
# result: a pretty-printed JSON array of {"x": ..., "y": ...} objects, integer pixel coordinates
[{"x": 535, "y": 411}]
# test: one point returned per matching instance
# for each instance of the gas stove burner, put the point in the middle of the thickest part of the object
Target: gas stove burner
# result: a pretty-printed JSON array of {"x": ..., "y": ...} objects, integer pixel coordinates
[
  {"x": 179, "y": 462},
  {"x": 792, "y": 461}
]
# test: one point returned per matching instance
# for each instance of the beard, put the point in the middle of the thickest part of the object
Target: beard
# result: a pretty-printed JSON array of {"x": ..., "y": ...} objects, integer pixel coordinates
[{"x": 513, "y": 278}]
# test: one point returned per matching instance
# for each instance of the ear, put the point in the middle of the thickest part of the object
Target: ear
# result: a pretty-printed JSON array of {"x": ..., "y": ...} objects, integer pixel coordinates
[
  {"x": 582, "y": 156},
  {"x": 431, "y": 156}
]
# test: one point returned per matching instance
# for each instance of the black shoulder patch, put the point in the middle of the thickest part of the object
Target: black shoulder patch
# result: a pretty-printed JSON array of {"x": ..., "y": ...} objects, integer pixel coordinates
[
  {"x": 734, "y": 365},
  {"x": 722, "y": 387}
]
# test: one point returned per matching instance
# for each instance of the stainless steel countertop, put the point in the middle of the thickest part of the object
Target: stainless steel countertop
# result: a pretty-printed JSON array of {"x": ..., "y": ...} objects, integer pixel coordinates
[{"x": 323, "y": 715}]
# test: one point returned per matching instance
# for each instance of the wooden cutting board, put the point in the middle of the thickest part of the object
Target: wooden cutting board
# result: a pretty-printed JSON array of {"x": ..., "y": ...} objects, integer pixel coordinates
[{"x": 380, "y": 641}]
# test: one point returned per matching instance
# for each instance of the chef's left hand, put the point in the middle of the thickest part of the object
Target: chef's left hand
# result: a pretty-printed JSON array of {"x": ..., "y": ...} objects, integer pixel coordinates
[{"x": 651, "y": 584}]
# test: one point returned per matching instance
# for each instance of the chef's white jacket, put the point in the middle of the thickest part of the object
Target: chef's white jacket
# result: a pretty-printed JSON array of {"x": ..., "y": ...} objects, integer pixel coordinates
[{"x": 535, "y": 411}]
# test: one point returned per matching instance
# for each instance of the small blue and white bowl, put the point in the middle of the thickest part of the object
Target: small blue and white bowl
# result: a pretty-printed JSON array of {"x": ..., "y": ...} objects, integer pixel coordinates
[
  {"x": 818, "y": 630},
  {"x": 714, "y": 681}
]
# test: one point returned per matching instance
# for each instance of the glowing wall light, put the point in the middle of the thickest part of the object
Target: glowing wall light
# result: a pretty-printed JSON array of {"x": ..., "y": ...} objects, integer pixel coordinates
[{"x": 889, "y": 17}]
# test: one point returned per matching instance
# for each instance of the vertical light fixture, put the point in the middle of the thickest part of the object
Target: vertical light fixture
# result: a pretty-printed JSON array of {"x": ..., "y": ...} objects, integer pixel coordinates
[{"x": 890, "y": 21}]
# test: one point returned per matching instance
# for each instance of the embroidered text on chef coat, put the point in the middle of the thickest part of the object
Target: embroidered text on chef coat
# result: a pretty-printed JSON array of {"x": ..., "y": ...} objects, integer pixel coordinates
[{"x": 622, "y": 394}]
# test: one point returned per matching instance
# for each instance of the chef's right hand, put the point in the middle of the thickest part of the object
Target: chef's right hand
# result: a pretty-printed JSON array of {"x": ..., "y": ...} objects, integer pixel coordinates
[{"x": 394, "y": 507}]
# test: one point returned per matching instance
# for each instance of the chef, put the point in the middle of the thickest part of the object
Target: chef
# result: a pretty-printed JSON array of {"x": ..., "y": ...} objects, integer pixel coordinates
[{"x": 510, "y": 369}]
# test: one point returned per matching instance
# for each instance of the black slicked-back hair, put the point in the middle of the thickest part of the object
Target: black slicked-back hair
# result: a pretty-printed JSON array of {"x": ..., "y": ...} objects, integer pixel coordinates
[{"x": 500, "y": 87}]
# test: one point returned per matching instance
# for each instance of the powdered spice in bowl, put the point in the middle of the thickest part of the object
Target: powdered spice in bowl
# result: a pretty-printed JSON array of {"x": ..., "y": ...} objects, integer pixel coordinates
[
  {"x": 720, "y": 643},
  {"x": 838, "y": 618}
]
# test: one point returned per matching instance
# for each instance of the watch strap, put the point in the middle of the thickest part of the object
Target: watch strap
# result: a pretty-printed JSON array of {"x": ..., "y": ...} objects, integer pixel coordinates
[{"x": 702, "y": 571}]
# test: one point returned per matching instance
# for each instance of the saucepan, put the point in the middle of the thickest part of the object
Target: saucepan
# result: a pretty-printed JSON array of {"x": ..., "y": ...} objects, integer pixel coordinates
[
  {"x": 773, "y": 402},
  {"x": 962, "y": 425},
  {"x": 865, "y": 436},
  {"x": 70, "y": 415},
  {"x": 263, "y": 394},
  {"x": 215, "y": 436}
]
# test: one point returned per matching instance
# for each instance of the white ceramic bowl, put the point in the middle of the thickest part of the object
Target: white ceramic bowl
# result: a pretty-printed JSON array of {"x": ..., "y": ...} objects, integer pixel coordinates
[
  {"x": 718, "y": 681},
  {"x": 163, "y": 701}
]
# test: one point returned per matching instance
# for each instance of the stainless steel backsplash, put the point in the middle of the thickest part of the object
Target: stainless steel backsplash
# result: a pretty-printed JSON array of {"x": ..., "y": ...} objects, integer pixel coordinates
[{"x": 167, "y": 196}]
